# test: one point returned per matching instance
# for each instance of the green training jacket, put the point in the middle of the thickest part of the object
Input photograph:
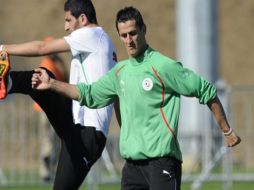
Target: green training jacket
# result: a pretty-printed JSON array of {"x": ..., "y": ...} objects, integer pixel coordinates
[{"x": 149, "y": 89}]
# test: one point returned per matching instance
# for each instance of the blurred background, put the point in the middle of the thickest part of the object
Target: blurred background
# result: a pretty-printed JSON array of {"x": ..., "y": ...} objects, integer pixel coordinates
[{"x": 214, "y": 38}]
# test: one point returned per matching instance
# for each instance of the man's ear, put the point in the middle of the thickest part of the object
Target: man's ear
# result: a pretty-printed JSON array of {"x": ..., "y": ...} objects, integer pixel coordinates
[{"x": 83, "y": 19}]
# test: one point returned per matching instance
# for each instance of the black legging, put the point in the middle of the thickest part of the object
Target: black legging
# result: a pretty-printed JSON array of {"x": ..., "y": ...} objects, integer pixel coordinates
[{"x": 80, "y": 146}]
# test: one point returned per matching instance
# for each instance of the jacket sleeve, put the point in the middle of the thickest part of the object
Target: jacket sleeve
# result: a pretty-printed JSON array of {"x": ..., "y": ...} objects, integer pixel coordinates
[
  {"x": 187, "y": 83},
  {"x": 100, "y": 93}
]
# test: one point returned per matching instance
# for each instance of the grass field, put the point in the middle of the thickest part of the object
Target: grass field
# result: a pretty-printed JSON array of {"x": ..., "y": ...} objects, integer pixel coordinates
[{"x": 185, "y": 186}]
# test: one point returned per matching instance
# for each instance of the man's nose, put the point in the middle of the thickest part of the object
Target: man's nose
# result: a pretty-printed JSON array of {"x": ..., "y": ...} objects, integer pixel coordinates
[
  {"x": 66, "y": 27},
  {"x": 129, "y": 38}
]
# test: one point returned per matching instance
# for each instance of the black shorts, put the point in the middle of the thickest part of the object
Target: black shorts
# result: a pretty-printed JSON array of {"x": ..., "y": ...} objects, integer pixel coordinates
[{"x": 152, "y": 174}]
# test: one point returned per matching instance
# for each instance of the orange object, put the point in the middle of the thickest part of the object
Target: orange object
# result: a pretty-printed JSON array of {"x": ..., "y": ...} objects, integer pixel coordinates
[
  {"x": 49, "y": 64},
  {"x": 4, "y": 69}
]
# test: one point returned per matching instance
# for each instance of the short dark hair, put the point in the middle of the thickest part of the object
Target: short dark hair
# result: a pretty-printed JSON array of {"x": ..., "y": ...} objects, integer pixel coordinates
[
  {"x": 78, "y": 7},
  {"x": 129, "y": 13}
]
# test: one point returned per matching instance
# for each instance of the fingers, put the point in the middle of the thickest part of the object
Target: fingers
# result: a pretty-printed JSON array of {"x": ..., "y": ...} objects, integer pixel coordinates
[
  {"x": 35, "y": 80},
  {"x": 233, "y": 139},
  {"x": 39, "y": 73},
  {"x": 40, "y": 79},
  {"x": 39, "y": 70},
  {"x": 237, "y": 142},
  {"x": 36, "y": 77},
  {"x": 3, "y": 55}
]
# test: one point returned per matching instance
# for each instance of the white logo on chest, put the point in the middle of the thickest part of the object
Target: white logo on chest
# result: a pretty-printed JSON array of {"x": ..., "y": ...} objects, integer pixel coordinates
[{"x": 147, "y": 84}]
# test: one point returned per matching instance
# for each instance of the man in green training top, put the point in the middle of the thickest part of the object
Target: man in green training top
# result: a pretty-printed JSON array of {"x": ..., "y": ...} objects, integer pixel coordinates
[{"x": 149, "y": 86}]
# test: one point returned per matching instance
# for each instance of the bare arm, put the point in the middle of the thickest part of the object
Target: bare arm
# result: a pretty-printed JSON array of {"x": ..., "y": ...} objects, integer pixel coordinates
[
  {"x": 42, "y": 81},
  {"x": 231, "y": 137},
  {"x": 37, "y": 48}
]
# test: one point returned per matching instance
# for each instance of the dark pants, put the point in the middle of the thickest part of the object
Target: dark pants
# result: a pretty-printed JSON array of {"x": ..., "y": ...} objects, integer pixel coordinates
[
  {"x": 80, "y": 146},
  {"x": 152, "y": 174}
]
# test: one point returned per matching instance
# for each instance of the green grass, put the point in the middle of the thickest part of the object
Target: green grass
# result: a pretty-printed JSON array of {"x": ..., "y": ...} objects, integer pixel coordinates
[
  {"x": 105, "y": 187},
  {"x": 185, "y": 186},
  {"x": 220, "y": 186}
]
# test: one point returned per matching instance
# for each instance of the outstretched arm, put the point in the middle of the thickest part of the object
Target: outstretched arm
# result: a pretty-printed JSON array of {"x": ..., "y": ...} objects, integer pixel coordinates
[
  {"x": 230, "y": 135},
  {"x": 37, "y": 48},
  {"x": 42, "y": 81}
]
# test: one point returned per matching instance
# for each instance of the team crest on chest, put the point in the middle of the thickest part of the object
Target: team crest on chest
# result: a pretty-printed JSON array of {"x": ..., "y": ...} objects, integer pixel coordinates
[{"x": 147, "y": 84}]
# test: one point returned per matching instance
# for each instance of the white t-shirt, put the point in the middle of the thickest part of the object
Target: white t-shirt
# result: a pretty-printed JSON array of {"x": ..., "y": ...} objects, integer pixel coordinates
[{"x": 92, "y": 48}]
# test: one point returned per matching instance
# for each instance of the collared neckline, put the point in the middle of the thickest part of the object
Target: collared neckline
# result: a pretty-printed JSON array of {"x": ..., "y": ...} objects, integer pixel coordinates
[{"x": 142, "y": 58}]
